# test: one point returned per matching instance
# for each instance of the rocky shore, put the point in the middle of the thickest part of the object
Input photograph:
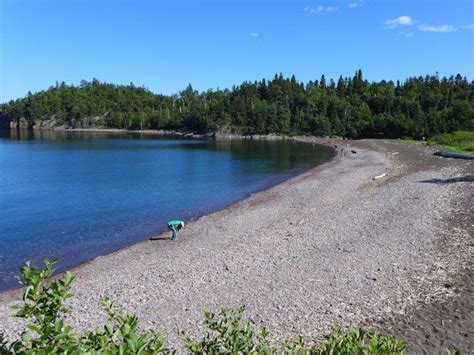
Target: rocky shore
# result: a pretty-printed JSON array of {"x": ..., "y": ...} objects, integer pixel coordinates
[
  {"x": 217, "y": 135},
  {"x": 333, "y": 245}
]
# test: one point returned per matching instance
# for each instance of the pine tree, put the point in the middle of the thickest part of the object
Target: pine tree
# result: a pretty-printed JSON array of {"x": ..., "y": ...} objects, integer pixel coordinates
[{"x": 322, "y": 82}]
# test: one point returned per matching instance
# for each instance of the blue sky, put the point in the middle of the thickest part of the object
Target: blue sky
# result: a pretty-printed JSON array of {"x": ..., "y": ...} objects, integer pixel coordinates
[{"x": 164, "y": 45}]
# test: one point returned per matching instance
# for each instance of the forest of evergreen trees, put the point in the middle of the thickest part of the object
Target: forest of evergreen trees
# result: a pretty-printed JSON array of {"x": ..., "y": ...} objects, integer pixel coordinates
[{"x": 351, "y": 107}]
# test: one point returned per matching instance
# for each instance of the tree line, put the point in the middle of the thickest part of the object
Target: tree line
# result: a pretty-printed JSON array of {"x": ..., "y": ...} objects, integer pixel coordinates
[{"x": 350, "y": 107}]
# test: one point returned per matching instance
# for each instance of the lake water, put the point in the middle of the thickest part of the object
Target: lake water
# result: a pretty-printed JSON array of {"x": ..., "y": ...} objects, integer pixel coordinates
[{"x": 76, "y": 195}]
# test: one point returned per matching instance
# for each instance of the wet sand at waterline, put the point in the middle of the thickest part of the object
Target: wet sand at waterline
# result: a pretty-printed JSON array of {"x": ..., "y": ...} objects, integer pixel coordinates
[{"x": 332, "y": 245}]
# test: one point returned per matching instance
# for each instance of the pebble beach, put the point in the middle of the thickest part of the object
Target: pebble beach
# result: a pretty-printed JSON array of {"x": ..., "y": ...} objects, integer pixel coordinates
[{"x": 333, "y": 245}]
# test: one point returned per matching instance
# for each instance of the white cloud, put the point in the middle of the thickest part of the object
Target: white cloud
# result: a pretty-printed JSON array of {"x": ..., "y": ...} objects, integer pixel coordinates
[
  {"x": 320, "y": 9},
  {"x": 408, "y": 21},
  {"x": 440, "y": 29},
  {"x": 400, "y": 21},
  {"x": 254, "y": 34},
  {"x": 353, "y": 5},
  {"x": 469, "y": 27}
]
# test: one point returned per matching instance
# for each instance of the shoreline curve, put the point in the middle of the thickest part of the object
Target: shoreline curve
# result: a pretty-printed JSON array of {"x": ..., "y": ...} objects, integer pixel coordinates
[{"x": 332, "y": 245}]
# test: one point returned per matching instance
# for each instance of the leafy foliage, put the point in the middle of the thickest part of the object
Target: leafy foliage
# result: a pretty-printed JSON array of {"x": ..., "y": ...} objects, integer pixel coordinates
[
  {"x": 353, "y": 108},
  {"x": 359, "y": 341},
  {"x": 46, "y": 333},
  {"x": 460, "y": 141},
  {"x": 226, "y": 332},
  {"x": 120, "y": 335},
  {"x": 43, "y": 304}
]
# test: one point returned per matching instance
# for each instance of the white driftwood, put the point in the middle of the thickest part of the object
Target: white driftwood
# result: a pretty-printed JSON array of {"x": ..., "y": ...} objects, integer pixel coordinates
[
  {"x": 395, "y": 153},
  {"x": 380, "y": 176}
]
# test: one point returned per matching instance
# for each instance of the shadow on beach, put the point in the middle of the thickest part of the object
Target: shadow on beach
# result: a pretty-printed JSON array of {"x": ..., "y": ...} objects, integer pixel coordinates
[
  {"x": 467, "y": 178},
  {"x": 159, "y": 238}
]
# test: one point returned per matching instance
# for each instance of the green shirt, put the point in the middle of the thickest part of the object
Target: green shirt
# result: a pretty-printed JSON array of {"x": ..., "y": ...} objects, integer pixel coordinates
[{"x": 176, "y": 224}]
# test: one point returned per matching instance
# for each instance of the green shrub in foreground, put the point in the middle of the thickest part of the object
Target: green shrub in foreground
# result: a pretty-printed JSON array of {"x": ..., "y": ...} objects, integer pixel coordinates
[
  {"x": 226, "y": 333},
  {"x": 46, "y": 333},
  {"x": 230, "y": 335}
]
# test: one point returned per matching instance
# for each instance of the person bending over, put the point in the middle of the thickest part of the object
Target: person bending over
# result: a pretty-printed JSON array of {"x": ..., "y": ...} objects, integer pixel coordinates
[{"x": 175, "y": 227}]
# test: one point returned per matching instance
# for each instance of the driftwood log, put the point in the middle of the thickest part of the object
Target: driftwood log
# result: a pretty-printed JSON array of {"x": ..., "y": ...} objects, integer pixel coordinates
[{"x": 445, "y": 154}]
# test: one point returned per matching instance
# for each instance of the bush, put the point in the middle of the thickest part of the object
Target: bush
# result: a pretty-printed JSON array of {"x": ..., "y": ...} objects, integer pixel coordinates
[
  {"x": 226, "y": 333},
  {"x": 43, "y": 305},
  {"x": 229, "y": 335},
  {"x": 460, "y": 140}
]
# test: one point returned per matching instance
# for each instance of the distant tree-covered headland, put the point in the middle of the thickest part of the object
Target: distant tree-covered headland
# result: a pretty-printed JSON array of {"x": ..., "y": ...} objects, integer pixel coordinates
[{"x": 349, "y": 107}]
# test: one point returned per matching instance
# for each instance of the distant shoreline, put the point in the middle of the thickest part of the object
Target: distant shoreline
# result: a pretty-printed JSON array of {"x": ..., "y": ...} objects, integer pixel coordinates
[{"x": 186, "y": 134}]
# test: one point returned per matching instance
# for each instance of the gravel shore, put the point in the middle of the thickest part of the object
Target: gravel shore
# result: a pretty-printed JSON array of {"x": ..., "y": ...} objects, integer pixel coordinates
[{"x": 332, "y": 245}]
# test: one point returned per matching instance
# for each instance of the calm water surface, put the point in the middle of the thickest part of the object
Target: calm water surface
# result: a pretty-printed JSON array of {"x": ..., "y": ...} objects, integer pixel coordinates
[{"x": 77, "y": 195}]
